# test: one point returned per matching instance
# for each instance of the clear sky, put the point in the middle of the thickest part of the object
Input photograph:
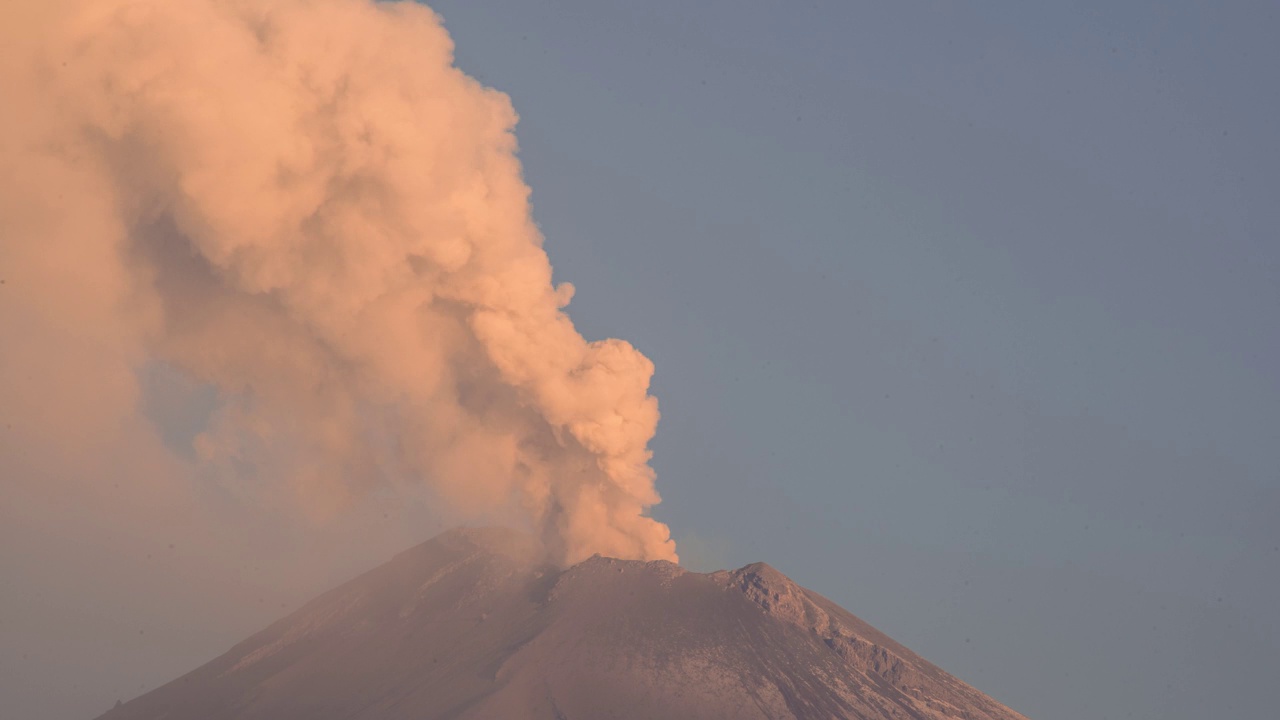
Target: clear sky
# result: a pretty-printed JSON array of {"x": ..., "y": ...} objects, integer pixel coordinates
[{"x": 966, "y": 315}]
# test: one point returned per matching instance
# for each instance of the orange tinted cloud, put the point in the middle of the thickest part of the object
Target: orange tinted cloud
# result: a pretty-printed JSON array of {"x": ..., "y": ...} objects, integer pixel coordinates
[{"x": 306, "y": 206}]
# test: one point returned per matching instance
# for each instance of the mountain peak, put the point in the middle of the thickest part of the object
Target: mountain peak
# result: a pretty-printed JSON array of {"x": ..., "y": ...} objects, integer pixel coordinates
[
  {"x": 778, "y": 596},
  {"x": 472, "y": 625}
]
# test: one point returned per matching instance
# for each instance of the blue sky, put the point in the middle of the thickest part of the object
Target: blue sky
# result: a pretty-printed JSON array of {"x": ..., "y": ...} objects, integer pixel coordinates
[{"x": 964, "y": 315}]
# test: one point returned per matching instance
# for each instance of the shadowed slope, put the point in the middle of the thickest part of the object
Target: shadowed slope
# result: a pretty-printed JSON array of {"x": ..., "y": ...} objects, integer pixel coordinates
[{"x": 470, "y": 625}]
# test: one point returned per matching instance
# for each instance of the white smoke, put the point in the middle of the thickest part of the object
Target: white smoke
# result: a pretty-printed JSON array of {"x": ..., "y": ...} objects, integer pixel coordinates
[{"x": 305, "y": 205}]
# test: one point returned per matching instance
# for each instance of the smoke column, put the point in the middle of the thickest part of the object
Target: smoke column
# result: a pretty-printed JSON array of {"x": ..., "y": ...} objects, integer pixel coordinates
[{"x": 303, "y": 204}]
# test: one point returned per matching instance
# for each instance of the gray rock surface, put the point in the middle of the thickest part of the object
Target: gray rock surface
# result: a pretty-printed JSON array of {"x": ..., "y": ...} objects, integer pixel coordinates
[{"x": 470, "y": 626}]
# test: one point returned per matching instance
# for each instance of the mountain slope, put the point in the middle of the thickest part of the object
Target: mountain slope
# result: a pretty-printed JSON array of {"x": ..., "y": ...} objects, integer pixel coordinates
[{"x": 470, "y": 626}]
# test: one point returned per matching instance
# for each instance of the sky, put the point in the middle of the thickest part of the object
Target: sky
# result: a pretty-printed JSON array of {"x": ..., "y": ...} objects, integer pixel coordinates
[{"x": 963, "y": 316}]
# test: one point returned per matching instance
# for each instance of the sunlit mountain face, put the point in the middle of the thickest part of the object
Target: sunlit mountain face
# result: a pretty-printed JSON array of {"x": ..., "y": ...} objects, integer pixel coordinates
[{"x": 473, "y": 624}]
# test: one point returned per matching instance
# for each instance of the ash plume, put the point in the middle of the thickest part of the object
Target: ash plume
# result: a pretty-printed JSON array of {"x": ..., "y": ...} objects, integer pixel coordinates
[{"x": 305, "y": 205}]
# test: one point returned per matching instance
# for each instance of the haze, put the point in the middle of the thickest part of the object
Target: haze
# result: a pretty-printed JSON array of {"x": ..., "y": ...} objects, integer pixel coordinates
[{"x": 962, "y": 316}]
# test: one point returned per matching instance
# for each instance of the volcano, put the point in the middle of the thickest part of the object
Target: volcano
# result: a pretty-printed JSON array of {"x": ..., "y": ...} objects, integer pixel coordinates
[{"x": 472, "y": 626}]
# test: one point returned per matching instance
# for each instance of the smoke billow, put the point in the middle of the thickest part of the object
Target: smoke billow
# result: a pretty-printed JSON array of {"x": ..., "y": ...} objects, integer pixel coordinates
[{"x": 304, "y": 205}]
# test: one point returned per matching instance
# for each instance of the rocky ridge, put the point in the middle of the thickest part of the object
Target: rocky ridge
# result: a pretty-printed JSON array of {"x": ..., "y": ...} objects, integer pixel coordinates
[{"x": 471, "y": 625}]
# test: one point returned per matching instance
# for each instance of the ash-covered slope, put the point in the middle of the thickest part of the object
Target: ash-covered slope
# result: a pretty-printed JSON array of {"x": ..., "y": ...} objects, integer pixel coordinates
[{"x": 469, "y": 626}]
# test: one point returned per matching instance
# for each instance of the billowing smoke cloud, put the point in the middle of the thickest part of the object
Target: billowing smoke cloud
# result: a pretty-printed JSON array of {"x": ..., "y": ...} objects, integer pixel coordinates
[{"x": 304, "y": 205}]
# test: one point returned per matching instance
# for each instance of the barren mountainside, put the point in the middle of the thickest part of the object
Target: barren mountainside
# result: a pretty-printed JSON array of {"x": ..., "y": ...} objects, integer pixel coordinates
[{"x": 469, "y": 626}]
